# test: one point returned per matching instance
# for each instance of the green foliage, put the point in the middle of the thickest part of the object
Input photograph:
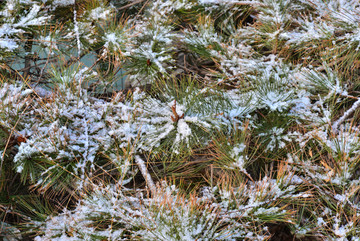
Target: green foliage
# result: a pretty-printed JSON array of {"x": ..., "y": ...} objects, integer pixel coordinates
[{"x": 250, "y": 109}]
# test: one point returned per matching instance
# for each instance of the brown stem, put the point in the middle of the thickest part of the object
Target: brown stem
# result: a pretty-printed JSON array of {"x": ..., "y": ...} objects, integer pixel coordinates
[{"x": 28, "y": 57}]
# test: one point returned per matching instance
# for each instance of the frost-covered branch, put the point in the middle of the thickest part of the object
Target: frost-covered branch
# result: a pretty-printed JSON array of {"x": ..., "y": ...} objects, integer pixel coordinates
[
  {"x": 145, "y": 174},
  {"x": 346, "y": 115},
  {"x": 76, "y": 28},
  {"x": 253, "y": 3}
]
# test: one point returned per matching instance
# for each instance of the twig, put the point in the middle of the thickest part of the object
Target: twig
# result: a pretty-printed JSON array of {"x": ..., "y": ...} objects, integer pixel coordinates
[
  {"x": 44, "y": 67},
  {"x": 253, "y": 3},
  {"x": 346, "y": 115},
  {"x": 28, "y": 48},
  {"x": 130, "y": 4},
  {"x": 145, "y": 173},
  {"x": 176, "y": 117},
  {"x": 76, "y": 29}
]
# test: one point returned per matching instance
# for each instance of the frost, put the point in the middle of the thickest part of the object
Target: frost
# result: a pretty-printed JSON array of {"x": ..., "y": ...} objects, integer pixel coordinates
[
  {"x": 31, "y": 18},
  {"x": 311, "y": 31},
  {"x": 100, "y": 13},
  {"x": 320, "y": 221},
  {"x": 27, "y": 92},
  {"x": 81, "y": 136},
  {"x": 276, "y": 101},
  {"x": 49, "y": 42},
  {"x": 341, "y": 198},
  {"x": 13, "y": 99},
  {"x": 151, "y": 218},
  {"x": 161, "y": 8},
  {"x": 61, "y": 3},
  {"x": 183, "y": 131},
  {"x": 111, "y": 39},
  {"x": 346, "y": 115},
  {"x": 77, "y": 34},
  {"x": 329, "y": 81},
  {"x": 172, "y": 120},
  {"x": 6, "y": 42},
  {"x": 239, "y": 157},
  {"x": 275, "y": 81},
  {"x": 9, "y": 232},
  {"x": 276, "y": 138},
  {"x": 153, "y": 50},
  {"x": 341, "y": 231}
]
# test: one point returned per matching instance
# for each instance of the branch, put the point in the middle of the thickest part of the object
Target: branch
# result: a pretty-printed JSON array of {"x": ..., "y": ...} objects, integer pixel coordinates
[
  {"x": 253, "y": 3},
  {"x": 145, "y": 173},
  {"x": 346, "y": 115},
  {"x": 28, "y": 48},
  {"x": 130, "y": 4}
]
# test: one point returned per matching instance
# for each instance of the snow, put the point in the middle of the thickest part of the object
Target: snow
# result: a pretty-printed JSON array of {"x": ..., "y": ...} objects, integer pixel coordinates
[
  {"x": 341, "y": 198},
  {"x": 351, "y": 110},
  {"x": 76, "y": 29},
  {"x": 100, "y": 13},
  {"x": 49, "y": 42},
  {"x": 111, "y": 38},
  {"x": 313, "y": 138},
  {"x": 6, "y": 42},
  {"x": 311, "y": 31},
  {"x": 240, "y": 159},
  {"x": 31, "y": 18},
  {"x": 61, "y": 3},
  {"x": 145, "y": 174},
  {"x": 9, "y": 232},
  {"x": 276, "y": 101},
  {"x": 183, "y": 129}
]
